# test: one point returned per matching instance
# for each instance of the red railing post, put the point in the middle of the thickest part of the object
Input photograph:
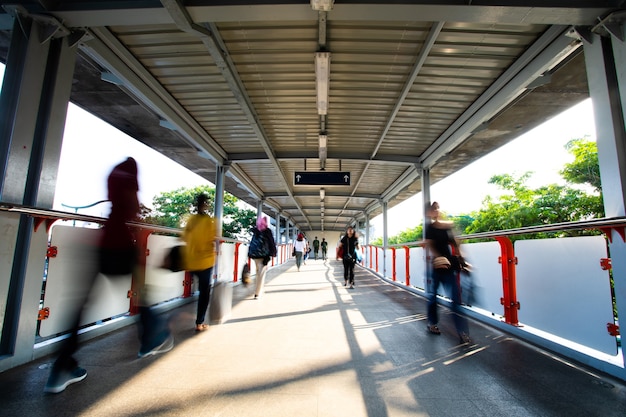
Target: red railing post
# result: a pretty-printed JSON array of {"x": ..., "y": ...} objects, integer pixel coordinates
[
  {"x": 376, "y": 260},
  {"x": 509, "y": 284},
  {"x": 407, "y": 281},
  {"x": 236, "y": 263},
  {"x": 138, "y": 280},
  {"x": 393, "y": 264}
]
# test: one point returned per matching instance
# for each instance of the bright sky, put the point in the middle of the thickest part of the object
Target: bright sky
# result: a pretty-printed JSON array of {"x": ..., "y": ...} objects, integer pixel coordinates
[{"x": 92, "y": 147}]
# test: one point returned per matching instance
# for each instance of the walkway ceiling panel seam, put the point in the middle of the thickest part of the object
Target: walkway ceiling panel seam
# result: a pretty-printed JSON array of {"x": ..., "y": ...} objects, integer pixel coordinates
[
  {"x": 105, "y": 49},
  {"x": 209, "y": 35},
  {"x": 528, "y": 65}
]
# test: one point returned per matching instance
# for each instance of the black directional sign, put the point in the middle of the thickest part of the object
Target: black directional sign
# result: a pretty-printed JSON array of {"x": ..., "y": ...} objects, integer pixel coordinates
[{"x": 321, "y": 178}]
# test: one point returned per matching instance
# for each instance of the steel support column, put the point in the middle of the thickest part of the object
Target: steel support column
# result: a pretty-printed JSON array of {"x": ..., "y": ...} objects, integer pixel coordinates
[{"x": 605, "y": 59}]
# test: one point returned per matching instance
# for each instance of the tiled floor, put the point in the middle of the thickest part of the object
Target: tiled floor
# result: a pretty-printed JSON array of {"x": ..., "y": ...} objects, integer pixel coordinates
[{"x": 311, "y": 347}]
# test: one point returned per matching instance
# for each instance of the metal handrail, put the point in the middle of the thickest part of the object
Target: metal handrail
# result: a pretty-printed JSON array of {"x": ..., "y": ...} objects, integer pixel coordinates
[{"x": 578, "y": 225}]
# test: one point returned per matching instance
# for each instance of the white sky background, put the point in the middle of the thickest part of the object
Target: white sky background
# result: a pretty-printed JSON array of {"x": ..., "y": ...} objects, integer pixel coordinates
[{"x": 91, "y": 148}]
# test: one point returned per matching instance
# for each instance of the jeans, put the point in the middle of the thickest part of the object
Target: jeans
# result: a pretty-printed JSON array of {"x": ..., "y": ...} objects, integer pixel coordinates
[{"x": 448, "y": 279}]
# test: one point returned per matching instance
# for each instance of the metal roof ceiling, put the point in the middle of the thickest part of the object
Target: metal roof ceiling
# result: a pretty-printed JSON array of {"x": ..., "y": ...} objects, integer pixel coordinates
[{"x": 413, "y": 85}]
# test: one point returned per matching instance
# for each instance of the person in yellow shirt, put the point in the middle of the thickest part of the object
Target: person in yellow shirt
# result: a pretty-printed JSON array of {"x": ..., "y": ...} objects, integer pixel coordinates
[{"x": 199, "y": 254}]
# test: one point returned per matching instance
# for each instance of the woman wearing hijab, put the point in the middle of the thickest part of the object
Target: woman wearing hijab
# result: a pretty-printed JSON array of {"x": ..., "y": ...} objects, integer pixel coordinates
[{"x": 262, "y": 232}]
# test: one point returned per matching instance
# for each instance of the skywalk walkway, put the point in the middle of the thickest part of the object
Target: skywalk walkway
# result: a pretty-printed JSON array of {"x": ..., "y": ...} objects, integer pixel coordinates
[{"x": 311, "y": 347}]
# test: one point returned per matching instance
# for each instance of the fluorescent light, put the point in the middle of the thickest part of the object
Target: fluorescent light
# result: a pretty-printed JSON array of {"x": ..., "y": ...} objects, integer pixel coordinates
[
  {"x": 324, "y": 5},
  {"x": 323, "y": 152},
  {"x": 322, "y": 78}
]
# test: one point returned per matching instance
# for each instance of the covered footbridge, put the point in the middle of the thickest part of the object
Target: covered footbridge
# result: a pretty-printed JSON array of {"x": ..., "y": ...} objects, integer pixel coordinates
[{"x": 322, "y": 115}]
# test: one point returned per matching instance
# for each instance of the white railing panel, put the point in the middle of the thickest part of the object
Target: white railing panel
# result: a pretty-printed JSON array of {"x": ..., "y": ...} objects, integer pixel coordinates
[
  {"x": 385, "y": 266},
  {"x": 400, "y": 265},
  {"x": 417, "y": 265},
  {"x": 226, "y": 262},
  {"x": 68, "y": 278},
  {"x": 243, "y": 259},
  {"x": 563, "y": 291},
  {"x": 486, "y": 275},
  {"x": 161, "y": 284}
]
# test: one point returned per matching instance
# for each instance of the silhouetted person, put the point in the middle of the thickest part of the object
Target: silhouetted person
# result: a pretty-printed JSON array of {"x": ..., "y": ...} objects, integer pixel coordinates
[{"x": 349, "y": 244}]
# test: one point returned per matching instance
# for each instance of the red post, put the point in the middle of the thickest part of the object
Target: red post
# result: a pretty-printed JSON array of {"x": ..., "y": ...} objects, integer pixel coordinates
[
  {"x": 509, "y": 283},
  {"x": 393, "y": 264},
  {"x": 236, "y": 263},
  {"x": 187, "y": 281},
  {"x": 139, "y": 274},
  {"x": 407, "y": 257},
  {"x": 376, "y": 260}
]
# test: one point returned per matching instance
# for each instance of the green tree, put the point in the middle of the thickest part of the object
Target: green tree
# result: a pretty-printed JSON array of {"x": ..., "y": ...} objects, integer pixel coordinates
[
  {"x": 172, "y": 208},
  {"x": 549, "y": 204},
  {"x": 585, "y": 169}
]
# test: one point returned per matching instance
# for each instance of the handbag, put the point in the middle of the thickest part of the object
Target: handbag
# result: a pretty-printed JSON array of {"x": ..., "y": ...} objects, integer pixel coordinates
[
  {"x": 174, "y": 259},
  {"x": 441, "y": 262}
]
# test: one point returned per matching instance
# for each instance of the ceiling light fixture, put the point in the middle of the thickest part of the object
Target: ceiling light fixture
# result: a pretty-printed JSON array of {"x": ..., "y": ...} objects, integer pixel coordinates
[
  {"x": 322, "y": 78},
  {"x": 323, "y": 151},
  {"x": 322, "y": 5}
]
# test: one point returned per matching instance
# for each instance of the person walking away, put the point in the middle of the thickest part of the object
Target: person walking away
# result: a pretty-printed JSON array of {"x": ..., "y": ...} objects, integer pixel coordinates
[
  {"x": 299, "y": 246},
  {"x": 116, "y": 256},
  {"x": 349, "y": 244},
  {"x": 438, "y": 239},
  {"x": 316, "y": 247},
  {"x": 199, "y": 254},
  {"x": 324, "y": 246},
  {"x": 262, "y": 249}
]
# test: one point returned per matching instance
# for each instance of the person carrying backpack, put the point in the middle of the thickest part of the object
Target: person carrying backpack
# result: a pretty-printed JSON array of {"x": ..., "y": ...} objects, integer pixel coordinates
[{"x": 262, "y": 249}]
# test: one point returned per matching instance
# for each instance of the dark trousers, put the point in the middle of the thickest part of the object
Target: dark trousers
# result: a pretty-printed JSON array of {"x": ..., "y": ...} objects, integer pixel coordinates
[
  {"x": 348, "y": 270},
  {"x": 204, "y": 286}
]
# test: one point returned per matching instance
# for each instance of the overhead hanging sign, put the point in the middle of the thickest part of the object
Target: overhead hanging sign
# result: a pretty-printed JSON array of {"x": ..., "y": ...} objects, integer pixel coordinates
[{"x": 321, "y": 178}]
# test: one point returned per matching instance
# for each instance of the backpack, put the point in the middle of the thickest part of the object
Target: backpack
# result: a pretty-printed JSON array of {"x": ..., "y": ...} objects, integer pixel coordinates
[{"x": 259, "y": 246}]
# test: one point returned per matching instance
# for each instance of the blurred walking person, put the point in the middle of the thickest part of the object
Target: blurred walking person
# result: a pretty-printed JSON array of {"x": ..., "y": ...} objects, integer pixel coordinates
[
  {"x": 199, "y": 259},
  {"x": 439, "y": 238},
  {"x": 117, "y": 256}
]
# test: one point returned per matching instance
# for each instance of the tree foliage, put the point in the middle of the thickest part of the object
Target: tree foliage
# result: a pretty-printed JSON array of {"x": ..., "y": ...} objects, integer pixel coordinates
[
  {"x": 172, "y": 208},
  {"x": 585, "y": 168}
]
